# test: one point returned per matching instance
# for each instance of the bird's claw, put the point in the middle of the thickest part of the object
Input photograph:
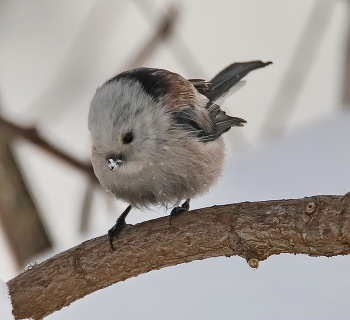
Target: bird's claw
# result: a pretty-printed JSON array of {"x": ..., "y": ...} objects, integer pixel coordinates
[
  {"x": 115, "y": 230},
  {"x": 184, "y": 207},
  {"x": 119, "y": 226}
]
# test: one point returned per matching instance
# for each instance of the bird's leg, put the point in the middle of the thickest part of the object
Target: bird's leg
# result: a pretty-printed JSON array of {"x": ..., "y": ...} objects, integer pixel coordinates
[
  {"x": 119, "y": 226},
  {"x": 184, "y": 207}
]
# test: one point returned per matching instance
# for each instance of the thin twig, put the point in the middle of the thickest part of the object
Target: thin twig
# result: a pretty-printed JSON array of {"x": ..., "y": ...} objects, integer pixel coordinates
[
  {"x": 298, "y": 70},
  {"x": 10, "y": 130},
  {"x": 86, "y": 206},
  {"x": 346, "y": 72},
  {"x": 162, "y": 33},
  {"x": 79, "y": 65},
  {"x": 178, "y": 48},
  {"x": 20, "y": 218}
]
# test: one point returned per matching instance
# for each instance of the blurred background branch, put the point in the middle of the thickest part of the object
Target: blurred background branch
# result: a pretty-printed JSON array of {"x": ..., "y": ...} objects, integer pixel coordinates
[
  {"x": 19, "y": 216},
  {"x": 162, "y": 32},
  {"x": 50, "y": 70},
  {"x": 346, "y": 74},
  {"x": 298, "y": 70},
  {"x": 10, "y": 131}
]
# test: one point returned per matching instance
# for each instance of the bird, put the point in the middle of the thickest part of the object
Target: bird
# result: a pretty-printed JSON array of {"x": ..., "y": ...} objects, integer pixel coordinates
[{"x": 156, "y": 137}]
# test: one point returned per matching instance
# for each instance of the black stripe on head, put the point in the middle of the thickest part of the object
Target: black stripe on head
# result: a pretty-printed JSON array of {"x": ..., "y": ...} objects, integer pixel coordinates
[{"x": 152, "y": 80}]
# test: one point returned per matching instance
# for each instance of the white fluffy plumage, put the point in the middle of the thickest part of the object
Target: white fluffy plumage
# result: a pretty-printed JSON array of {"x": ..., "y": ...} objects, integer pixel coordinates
[{"x": 157, "y": 137}]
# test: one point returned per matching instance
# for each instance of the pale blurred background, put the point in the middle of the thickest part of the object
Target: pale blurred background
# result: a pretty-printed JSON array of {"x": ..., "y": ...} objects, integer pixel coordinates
[{"x": 54, "y": 54}]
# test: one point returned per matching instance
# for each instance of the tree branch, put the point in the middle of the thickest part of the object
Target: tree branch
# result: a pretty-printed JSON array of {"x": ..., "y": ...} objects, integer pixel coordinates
[
  {"x": 163, "y": 31},
  {"x": 316, "y": 226},
  {"x": 9, "y": 130},
  {"x": 20, "y": 218}
]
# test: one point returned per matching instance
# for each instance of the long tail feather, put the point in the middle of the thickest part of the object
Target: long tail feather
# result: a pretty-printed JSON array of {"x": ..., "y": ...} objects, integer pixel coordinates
[{"x": 230, "y": 76}]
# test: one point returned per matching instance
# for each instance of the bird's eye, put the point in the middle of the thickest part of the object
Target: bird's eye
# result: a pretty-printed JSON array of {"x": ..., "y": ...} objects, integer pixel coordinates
[{"x": 127, "y": 137}]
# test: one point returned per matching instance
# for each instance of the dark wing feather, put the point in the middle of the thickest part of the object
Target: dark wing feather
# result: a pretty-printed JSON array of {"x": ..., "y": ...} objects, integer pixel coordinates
[
  {"x": 201, "y": 85},
  {"x": 227, "y": 78},
  {"x": 220, "y": 122}
]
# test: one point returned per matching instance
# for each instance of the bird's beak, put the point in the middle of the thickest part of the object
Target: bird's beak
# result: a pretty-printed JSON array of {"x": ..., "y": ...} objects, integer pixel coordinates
[{"x": 114, "y": 163}]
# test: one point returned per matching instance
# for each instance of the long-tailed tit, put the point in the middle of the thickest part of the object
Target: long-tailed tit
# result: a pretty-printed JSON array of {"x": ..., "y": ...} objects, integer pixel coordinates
[{"x": 156, "y": 137}]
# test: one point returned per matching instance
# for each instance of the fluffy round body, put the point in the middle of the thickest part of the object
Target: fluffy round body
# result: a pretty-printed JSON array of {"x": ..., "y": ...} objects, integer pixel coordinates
[{"x": 166, "y": 161}]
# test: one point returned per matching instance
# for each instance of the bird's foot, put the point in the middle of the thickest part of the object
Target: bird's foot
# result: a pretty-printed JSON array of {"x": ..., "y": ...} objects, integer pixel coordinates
[
  {"x": 115, "y": 230},
  {"x": 184, "y": 207},
  {"x": 119, "y": 226}
]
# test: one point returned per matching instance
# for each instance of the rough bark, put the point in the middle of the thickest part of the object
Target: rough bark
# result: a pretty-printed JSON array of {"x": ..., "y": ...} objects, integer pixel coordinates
[{"x": 316, "y": 226}]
